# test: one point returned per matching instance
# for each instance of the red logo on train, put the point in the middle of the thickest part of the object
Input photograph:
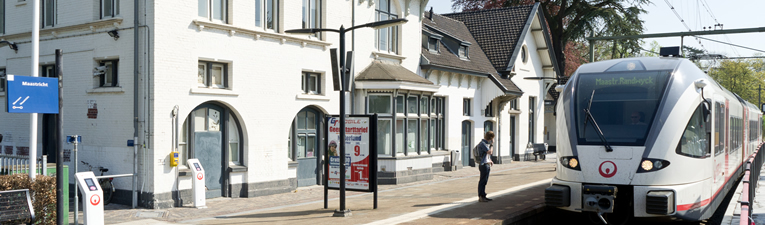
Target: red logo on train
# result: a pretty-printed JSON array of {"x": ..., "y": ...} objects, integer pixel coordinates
[{"x": 607, "y": 169}]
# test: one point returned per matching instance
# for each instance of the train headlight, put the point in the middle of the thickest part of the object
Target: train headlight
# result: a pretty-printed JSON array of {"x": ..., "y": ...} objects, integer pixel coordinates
[
  {"x": 570, "y": 162},
  {"x": 650, "y": 165},
  {"x": 573, "y": 163},
  {"x": 647, "y": 165}
]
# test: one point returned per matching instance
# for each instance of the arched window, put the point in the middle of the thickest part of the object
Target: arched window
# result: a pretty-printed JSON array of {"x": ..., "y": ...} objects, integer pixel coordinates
[
  {"x": 305, "y": 134},
  {"x": 387, "y": 38},
  {"x": 207, "y": 118},
  {"x": 212, "y": 134}
]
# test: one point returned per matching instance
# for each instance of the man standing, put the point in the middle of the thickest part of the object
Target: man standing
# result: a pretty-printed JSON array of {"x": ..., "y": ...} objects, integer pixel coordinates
[{"x": 486, "y": 148}]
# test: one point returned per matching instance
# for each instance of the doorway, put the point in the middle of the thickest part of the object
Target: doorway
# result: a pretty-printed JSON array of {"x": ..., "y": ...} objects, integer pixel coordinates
[
  {"x": 467, "y": 143},
  {"x": 305, "y": 146},
  {"x": 512, "y": 136},
  {"x": 215, "y": 137}
]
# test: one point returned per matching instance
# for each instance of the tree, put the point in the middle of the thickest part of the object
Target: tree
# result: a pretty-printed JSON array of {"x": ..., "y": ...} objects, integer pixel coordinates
[
  {"x": 742, "y": 77},
  {"x": 571, "y": 20}
]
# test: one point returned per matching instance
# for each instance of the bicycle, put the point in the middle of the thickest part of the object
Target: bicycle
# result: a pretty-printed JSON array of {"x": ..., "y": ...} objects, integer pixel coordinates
[{"x": 106, "y": 183}]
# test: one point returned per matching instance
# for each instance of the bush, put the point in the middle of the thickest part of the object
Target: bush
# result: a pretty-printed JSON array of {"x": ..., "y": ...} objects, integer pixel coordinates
[{"x": 43, "y": 189}]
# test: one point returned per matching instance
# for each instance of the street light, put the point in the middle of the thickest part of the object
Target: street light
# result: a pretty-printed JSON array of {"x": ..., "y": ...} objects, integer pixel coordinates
[
  {"x": 11, "y": 45},
  {"x": 342, "y": 212}
]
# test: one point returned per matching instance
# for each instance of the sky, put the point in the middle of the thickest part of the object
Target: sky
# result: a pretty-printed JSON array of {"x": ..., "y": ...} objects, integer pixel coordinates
[{"x": 660, "y": 18}]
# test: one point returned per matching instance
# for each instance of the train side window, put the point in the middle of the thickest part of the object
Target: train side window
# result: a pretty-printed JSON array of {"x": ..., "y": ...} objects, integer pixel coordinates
[
  {"x": 719, "y": 135},
  {"x": 695, "y": 139}
]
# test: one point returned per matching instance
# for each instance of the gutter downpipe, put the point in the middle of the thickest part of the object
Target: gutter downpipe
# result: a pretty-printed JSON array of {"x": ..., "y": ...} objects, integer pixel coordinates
[{"x": 135, "y": 102}]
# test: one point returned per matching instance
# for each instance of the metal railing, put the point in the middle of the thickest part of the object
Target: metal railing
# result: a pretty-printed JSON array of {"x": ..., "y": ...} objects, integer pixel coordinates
[
  {"x": 753, "y": 166},
  {"x": 17, "y": 164}
]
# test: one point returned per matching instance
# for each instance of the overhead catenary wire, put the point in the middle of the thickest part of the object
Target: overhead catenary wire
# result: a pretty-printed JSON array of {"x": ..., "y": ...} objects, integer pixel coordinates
[
  {"x": 731, "y": 44},
  {"x": 717, "y": 23}
]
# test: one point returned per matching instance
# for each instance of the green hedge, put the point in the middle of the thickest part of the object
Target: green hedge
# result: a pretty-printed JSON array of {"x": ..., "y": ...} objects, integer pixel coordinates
[{"x": 44, "y": 191}]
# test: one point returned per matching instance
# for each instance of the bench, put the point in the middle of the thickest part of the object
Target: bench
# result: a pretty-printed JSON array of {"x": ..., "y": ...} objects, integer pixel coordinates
[
  {"x": 537, "y": 150},
  {"x": 16, "y": 206}
]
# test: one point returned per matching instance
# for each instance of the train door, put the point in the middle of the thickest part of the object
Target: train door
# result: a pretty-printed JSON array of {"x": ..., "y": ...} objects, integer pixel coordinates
[{"x": 718, "y": 136}]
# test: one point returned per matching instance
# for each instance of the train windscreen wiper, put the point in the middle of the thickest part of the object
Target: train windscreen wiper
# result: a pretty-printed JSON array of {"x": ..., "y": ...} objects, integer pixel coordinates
[{"x": 595, "y": 124}]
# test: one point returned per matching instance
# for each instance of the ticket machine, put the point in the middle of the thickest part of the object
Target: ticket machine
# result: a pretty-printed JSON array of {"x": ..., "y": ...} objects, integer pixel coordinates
[
  {"x": 92, "y": 204},
  {"x": 197, "y": 183}
]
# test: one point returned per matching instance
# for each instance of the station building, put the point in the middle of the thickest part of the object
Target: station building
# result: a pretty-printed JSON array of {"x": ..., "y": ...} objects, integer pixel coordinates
[{"x": 253, "y": 114}]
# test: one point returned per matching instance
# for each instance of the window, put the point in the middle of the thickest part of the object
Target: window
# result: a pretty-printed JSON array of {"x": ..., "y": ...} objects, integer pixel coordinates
[
  {"x": 418, "y": 124},
  {"x": 212, "y": 75},
  {"x": 424, "y": 136},
  {"x": 524, "y": 54},
  {"x": 695, "y": 140},
  {"x": 233, "y": 140},
  {"x": 387, "y": 38},
  {"x": 107, "y": 72},
  {"x": 110, "y": 8},
  {"x": 2, "y": 79},
  {"x": 488, "y": 126},
  {"x": 411, "y": 105},
  {"x": 424, "y": 105},
  {"x": 466, "y": 106},
  {"x": 463, "y": 52},
  {"x": 311, "y": 83},
  {"x": 312, "y": 14},
  {"x": 213, "y": 10},
  {"x": 613, "y": 107},
  {"x": 220, "y": 130},
  {"x": 441, "y": 123},
  {"x": 532, "y": 128},
  {"x": 48, "y": 71},
  {"x": 719, "y": 135},
  {"x": 514, "y": 104},
  {"x": 48, "y": 15},
  {"x": 2, "y": 16},
  {"x": 400, "y": 136},
  {"x": 270, "y": 18},
  {"x": 411, "y": 136},
  {"x": 307, "y": 124},
  {"x": 489, "y": 111},
  {"x": 380, "y": 104},
  {"x": 400, "y": 104},
  {"x": 384, "y": 137},
  {"x": 433, "y": 44}
]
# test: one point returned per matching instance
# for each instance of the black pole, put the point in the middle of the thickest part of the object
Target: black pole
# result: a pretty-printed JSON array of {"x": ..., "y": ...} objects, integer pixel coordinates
[
  {"x": 373, "y": 155},
  {"x": 59, "y": 141},
  {"x": 326, "y": 163},
  {"x": 342, "y": 119},
  {"x": 759, "y": 100}
]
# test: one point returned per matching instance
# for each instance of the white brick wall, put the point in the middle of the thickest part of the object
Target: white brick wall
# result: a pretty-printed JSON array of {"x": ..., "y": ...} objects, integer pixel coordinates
[{"x": 104, "y": 138}]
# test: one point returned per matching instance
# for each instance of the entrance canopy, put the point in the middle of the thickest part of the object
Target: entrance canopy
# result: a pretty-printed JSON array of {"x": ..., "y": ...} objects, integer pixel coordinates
[{"x": 383, "y": 75}]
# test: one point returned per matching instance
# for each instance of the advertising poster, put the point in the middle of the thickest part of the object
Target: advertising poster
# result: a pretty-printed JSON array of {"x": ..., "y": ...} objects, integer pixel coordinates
[{"x": 357, "y": 153}]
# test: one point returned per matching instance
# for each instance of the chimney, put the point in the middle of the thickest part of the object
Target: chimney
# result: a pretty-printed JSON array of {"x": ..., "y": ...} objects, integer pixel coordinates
[{"x": 431, "y": 13}]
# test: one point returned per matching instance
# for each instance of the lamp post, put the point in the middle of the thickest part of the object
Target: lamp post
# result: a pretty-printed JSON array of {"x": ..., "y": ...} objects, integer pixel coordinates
[
  {"x": 12, "y": 45},
  {"x": 342, "y": 212}
]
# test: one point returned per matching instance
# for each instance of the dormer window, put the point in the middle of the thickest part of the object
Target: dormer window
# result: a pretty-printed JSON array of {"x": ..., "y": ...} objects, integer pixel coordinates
[
  {"x": 463, "y": 52},
  {"x": 433, "y": 44}
]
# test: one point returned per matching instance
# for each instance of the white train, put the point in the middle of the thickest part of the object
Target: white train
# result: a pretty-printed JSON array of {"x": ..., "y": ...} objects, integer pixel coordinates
[{"x": 649, "y": 138}]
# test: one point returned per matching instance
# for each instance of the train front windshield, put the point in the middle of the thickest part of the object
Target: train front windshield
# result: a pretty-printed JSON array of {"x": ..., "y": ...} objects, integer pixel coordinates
[{"x": 623, "y": 105}]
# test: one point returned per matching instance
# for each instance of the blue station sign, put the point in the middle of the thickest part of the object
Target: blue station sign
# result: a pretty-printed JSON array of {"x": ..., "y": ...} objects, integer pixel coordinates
[{"x": 27, "y": 94}]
